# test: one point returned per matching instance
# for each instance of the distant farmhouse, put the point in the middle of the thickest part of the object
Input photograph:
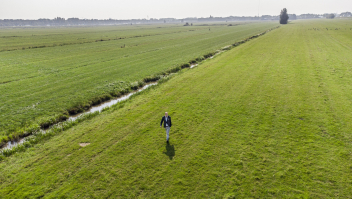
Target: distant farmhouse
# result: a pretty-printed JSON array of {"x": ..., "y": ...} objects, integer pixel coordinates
[{"x": 345, "y": 14}]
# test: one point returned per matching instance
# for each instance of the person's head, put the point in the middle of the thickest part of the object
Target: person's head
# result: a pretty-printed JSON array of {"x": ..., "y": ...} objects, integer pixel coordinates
[{"x": 166, "y": 114}]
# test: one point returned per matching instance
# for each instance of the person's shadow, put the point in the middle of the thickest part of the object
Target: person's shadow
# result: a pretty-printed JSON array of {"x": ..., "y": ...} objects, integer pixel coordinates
[{"x": 170, "y": 151}]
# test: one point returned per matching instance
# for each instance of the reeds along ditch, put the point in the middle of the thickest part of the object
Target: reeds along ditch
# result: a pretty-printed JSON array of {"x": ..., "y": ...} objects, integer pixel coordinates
[
  {"x": 41, "y": 135},
  {"x": 46, "y": 122}
]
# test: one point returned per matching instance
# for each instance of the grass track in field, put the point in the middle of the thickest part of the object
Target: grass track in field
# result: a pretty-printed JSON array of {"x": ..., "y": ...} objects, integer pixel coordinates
[{"x": 270, "y": 118}]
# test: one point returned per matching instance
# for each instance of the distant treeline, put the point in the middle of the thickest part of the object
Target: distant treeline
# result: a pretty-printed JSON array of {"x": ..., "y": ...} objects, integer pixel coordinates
[
  {"x": 93, "y": 22},
  {"x": 326, "y": 15}
]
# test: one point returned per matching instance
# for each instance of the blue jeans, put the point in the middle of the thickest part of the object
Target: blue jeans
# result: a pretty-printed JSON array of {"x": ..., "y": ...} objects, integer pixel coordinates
[{"x": 167, "y": 133}]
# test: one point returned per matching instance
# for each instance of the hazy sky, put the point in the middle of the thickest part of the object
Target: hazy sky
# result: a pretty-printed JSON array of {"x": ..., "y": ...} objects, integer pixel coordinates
[{"x": 135, "y": 9}]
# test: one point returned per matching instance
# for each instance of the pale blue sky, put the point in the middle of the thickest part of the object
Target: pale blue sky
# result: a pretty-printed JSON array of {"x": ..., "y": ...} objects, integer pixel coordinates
[{"x": 128, "y": 9}]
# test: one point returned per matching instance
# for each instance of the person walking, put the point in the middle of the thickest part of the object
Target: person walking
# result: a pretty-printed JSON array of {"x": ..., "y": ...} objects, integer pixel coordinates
[{"x": 167, "y": 125}]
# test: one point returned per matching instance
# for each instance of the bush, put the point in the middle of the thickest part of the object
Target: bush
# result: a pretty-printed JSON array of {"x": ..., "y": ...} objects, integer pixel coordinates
[
  {"x": 186, "y": 65},
  {"x": 193, "y": 61},
  {"x": 330, "y": 16},
  {"x": 134, "y": 86},
  {"x": 173, "y": 70},
  {"x": 72, "y": 111},
  {"x": 31, "y": 129},
  {"x": 106, "y": 97},
  {"x": 151, "y": 78},
  {"x": 141, "y": 84},
  {"x": 206, "y": 56},
  {"x": 3, "y": 140},
  {"x": 124, "y": 91},
  {"x": 95, "y": 101},
  {"x": 86, "y": 106},
  {"x": 199, "y": 59},
  {"x": 115, "y": 93}
]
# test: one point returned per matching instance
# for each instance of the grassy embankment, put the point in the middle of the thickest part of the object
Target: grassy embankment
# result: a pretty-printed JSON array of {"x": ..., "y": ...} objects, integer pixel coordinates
[
  {"x": 40, "y": 86},
  {"x": 270, "y": 118}
]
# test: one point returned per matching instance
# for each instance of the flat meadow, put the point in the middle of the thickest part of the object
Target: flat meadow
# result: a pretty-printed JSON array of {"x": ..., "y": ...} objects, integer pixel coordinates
[
  {"x": 48, "y": 73},
  {"x": 270, "y": 118}
]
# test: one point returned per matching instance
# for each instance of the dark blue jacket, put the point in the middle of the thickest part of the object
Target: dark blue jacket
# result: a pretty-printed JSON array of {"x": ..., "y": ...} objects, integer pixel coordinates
[{"x": 168, "y": 121}]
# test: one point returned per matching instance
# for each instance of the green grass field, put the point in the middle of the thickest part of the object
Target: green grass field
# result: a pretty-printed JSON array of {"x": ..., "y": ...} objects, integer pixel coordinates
[
  {"x": 268, "y": 119},
  {"x": 42, "y": 84},
  {"x": 39, "y": 37}
]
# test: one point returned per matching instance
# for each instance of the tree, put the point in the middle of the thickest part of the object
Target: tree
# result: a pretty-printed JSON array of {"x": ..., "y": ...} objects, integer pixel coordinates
[
  {"x": 330, "y": 16},
  {"x": 283, "y": 16},
  {"x": 346, "y": 14},
  {"x": 292, "y": 16}
]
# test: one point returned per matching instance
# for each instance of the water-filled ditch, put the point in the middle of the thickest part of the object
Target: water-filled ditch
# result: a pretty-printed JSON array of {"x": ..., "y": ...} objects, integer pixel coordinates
[{"x": 100, "y": 107}]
